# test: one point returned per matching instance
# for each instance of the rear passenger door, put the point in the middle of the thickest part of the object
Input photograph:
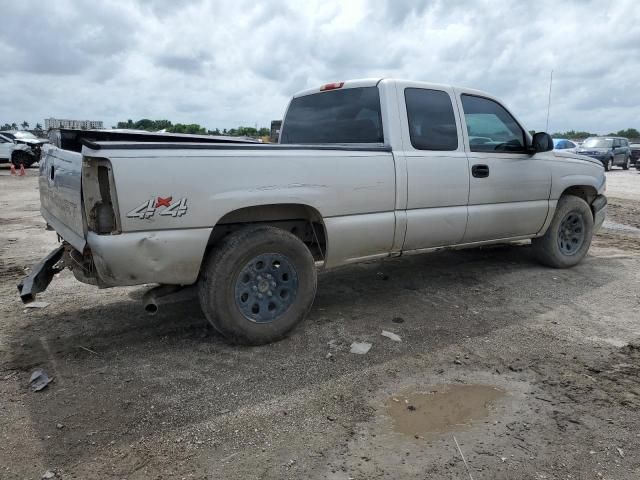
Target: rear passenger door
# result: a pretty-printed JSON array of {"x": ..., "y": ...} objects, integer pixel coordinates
[
  {"x": 437, "y": 167},
  {"x": 508, "y": 189}
]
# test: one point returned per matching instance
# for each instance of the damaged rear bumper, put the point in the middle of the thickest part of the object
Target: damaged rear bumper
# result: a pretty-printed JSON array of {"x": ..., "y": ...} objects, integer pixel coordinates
[{"x": 41, "y": 275}]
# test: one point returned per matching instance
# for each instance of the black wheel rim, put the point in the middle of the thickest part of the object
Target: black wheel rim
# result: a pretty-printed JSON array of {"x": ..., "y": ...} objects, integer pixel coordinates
[
  {"x": 571, "y": 233},
  {"x": 266, "y": 287}
]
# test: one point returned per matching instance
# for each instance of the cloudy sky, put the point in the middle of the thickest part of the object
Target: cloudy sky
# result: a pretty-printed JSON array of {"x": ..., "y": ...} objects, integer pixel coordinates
[{"x": 229, "y": 63}]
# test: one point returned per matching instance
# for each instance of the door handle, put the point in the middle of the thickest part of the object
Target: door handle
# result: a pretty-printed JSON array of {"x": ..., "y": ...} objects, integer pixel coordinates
[{"x": 480, "y": 171}]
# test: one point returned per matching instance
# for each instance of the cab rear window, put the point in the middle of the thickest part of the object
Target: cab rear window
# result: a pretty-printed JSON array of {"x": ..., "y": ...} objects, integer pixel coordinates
[{"x": 351, "y": 115}]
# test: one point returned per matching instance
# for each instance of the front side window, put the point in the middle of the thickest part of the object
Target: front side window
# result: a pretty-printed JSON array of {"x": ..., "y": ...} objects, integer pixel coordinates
[
  {"x": 490, "y": 127},
  {"x": 351, "y": 115},
  {"x": 432, "y": 124}
]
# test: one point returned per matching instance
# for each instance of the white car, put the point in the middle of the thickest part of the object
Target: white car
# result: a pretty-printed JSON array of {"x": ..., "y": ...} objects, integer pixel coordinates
[
  {"x": 565, "y": 145},
  {"x": 20, "y": 147}
]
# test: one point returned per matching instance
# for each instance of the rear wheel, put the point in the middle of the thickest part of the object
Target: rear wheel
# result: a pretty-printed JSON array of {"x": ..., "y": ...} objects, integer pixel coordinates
[
  {"x": 627, "y": 163},
  {"x": 257, "y": 285},
  {"x": 567, "y": 240}
]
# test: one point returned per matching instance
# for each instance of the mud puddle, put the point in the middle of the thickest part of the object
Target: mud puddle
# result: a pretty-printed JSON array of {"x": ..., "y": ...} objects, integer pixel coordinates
[{"x": 442, "y": 408}]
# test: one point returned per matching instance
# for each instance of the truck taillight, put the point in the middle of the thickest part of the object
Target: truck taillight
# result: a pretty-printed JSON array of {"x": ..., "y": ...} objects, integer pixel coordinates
[
  {"x": 331, "y": 86},
  {"x": 99, "y": 196}
]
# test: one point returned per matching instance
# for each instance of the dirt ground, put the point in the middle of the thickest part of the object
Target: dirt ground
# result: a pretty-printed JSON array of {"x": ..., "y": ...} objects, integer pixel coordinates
[{"x": 529, "y": 372}]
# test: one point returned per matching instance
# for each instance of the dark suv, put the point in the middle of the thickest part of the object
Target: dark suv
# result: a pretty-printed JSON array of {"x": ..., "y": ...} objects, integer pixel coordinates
[
  {"x": 635, "y": 154},
  {"x": 609, "y": 150}
]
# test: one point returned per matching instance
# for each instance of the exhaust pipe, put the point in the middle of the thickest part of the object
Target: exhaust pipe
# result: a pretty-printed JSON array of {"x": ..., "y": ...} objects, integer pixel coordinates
[{"x": 164, "y": 294}]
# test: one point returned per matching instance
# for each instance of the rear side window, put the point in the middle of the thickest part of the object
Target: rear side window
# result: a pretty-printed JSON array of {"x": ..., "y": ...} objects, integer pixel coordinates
[
  {"x": 432, "y": 124},
  {"x": 491, "y": 127},
  {"x": 351, "y": 115}
]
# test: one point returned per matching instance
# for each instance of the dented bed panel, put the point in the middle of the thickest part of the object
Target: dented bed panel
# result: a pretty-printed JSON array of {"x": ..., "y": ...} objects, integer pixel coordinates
[
  {"x": 169, "y": 189},
  {"x": 159, "y": 256}
]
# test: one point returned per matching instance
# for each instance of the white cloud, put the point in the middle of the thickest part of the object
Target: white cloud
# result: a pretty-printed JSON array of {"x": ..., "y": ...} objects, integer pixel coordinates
[{"x": 229, "y": 63}]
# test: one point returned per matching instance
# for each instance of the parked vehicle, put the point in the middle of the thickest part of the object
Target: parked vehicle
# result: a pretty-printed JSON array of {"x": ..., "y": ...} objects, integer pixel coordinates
[
  {"x": 609, "y": 150},
  {"x": 635, "y": 153},
  {"x": 365, "y": 169},
  {"x": 20, "y": 147},
  {"x": 564, "y": 145}
]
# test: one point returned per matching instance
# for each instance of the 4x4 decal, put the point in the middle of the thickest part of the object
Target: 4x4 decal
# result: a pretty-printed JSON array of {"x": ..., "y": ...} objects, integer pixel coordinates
[{"x": 162, "y": 205}]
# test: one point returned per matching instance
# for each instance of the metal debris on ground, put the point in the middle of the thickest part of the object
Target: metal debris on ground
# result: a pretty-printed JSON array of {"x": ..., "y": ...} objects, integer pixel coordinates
[
  {"x": 37, "y": 305},
  {"x": 391, "y": 335},
  {"x": 360, "y": 348},
  {"x": 39, "y": 380}
]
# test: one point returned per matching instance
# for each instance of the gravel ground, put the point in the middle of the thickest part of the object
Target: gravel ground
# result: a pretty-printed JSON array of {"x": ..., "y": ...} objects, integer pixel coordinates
[{"x": 535, "y": 372}]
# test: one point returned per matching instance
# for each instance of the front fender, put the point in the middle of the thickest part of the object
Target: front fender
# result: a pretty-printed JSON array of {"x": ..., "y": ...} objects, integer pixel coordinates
[{"x": 21, "y": 147}]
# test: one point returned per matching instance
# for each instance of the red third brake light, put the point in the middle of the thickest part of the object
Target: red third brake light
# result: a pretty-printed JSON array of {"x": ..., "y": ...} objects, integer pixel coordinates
[{"x": 331, "y": 86}]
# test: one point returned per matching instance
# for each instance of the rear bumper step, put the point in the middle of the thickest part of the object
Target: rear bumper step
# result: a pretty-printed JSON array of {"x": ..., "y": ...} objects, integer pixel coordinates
[{"x": 41, "y": 275}]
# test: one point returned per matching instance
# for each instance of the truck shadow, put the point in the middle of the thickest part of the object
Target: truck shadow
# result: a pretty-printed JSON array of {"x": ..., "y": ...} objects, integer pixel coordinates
[{"x": 111, "y": 362}]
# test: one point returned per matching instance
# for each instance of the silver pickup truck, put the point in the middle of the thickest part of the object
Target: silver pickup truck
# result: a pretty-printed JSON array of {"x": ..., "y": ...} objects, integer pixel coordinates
[{"x": 365, "y": 169}]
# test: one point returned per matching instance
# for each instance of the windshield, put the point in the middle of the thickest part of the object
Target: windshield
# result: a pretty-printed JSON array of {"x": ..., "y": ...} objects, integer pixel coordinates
[
  {"x": 27, "y": 135},
  {"x": 339, "y": 116},
  {"x": 598, "y": 143}
]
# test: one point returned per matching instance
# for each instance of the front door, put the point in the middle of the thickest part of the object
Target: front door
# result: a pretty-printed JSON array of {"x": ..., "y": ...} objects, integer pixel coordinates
[
  {"x": 436, "y": 164},
  {"x": 508, "y": 189},
  {"x": 619, "y": 152}
]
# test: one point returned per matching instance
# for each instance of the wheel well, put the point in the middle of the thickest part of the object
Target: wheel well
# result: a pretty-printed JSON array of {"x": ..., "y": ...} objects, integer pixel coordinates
[
  {"x": 17, "y": 153},
  {"x": 303, "y": 221},
  {"x": 585, "y": 192}
]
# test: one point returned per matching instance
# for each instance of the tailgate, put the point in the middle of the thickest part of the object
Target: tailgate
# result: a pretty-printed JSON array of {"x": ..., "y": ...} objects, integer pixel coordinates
[{"x": 61, "y": 194}]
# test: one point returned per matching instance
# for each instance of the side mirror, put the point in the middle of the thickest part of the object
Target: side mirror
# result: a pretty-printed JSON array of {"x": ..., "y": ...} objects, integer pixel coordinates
[{"x": 541, "y": 142}]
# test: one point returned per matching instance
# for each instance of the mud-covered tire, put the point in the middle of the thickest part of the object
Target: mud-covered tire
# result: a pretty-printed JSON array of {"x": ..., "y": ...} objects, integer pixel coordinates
[
  {"x": 277, "y": 264},
  {"x": 22, "y": 158},
  {"x": 556, "y": 248}
]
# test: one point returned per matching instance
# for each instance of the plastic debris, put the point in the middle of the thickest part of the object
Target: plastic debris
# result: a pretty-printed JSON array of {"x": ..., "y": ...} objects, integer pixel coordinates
[
  {"x": 391, "y": 335},
  {"x": 620, "y": 451},
  {"x": 48, "y": 474},
  {"x": 39, "y": 380},
  {"x": 37, "y": 305},
  {"x": 360, "y": 348}
]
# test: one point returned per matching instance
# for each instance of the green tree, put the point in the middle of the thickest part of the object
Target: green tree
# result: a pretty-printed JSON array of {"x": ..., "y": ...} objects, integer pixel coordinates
[
  {"x": 38, "y": 127},
  {"x": 14, "y": 126},
  {"x": 628, "y": 133},
  {"x": 6, "y": 126},
  {"x": 24, "y": 125}
]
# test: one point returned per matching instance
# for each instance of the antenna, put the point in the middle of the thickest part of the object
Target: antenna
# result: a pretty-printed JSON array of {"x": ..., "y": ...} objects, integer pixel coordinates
[{"x": 549, "y": 103}]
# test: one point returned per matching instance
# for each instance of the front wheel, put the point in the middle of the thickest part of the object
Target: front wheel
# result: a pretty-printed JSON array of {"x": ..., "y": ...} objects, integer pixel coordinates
[
  {"x": 567, "y": 240},
  {"x": 609, "y": 165},
  {"x": 22, "y": 158},
  {"x": 627, "y": 163},
  {"x": 257, "y": 285}
]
